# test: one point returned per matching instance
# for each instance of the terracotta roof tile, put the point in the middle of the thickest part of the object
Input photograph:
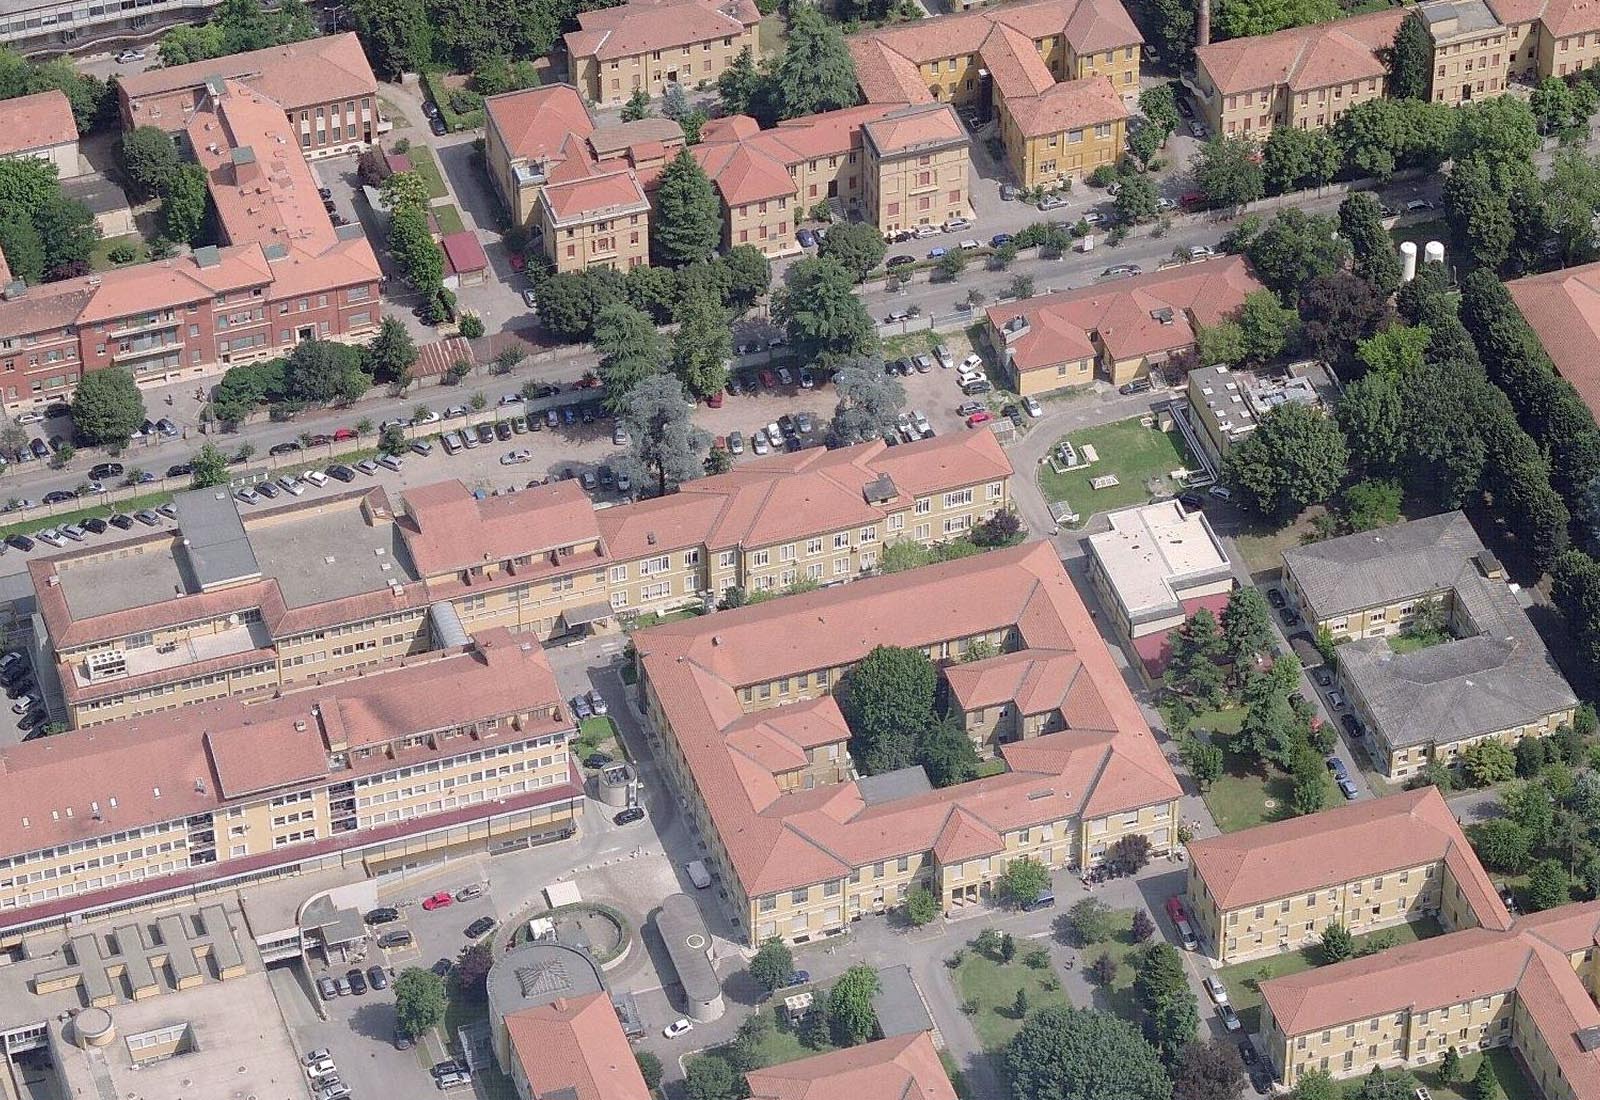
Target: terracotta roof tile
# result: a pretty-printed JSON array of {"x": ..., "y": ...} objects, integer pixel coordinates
[
  {"x": 1124, "y": 314},
  {"x": 1070, "y": 105},
  {"x": 574, "y": 1048},
  {"x": 162, "y": 766},
  {"x": 1303, "y": 57},
  {"x": 779, "y": 840},
  {"x": 37, "y": 122},
  {"x": 642, "y": 26},
  {"x": 300, "y": 74},
  {"x": 906, "y": 1067},
  {"x": 1563, "y": 309},
  {"x": 1340, "y": 845},
  {"x": 446, "y": 529},
  {"x": 535, "y": 121}
]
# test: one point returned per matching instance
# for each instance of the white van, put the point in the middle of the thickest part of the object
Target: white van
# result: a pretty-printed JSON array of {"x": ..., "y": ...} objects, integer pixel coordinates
[{"x": 698, "y": 874}]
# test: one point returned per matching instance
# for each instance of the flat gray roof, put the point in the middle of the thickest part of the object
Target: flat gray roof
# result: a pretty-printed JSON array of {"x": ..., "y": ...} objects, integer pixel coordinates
[
  {"x": 683, "y": 930},
  {"x": 899, "y": 1005},
  {"x": 122, "y": 577},
  {"x": 1448, "y": 18},
  {"x": 212, "y": 540},
  {"x": 324, "y": 554},
  {"x": 539, "y": 974},
  {"x": 890, "y": 786}
]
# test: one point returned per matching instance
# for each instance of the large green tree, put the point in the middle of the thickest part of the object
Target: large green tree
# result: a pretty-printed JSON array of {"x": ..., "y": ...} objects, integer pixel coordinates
[
  {"x": 392, "y": 353},
  {"x": 1294, "y": 159},
  {"x": 1208, "y": 1070},
  {"x": 107, "y": 407},
  {"x": 851, "y": 1016},
  {"x": 1294, "y": 248},
  {"x": 888, "y": 703},
  {"x": 773, "y": 965},
  {"x": 815, "y": 72},
  {"x": 1249, "y": 18},
  {"x": 1295, "y": 457},
  {"x": 186, "y": 206},
  {"x": 826, "y": 321},
  {"x": 396, "y": 34},
  {"x": 1374, "y": 256},
  {"x": 1410, "y": 60},
  {"x": 22, "y": 247},
  {"x": 1228, "y": 173},
  {"x": 1064, "y": 1053},
  {"x": 703, "y": 346},
  {"x": 666, "y": 445},
  {"x": 1194, "y": 668},
  {"x": 687, "y": 225},
  {"x": 149, "y": 157},
  {"x": 630, "y": 350},
  {"x": 324, "y": 371},
  {"x": 419, "y": 1000},
  {"x": 857, "y": 246}
]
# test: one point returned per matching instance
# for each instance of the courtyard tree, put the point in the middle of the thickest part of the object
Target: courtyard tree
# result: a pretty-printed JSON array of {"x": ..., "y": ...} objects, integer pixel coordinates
[
  {"x": 826, "y": 321},
  {"x": 850, "y": 1013},
  {"x": 1208, "y": 1070},
  {"x": 149, "y": 157},
  {"x": 922, "y": 906},
  {"x": 687, "y": 224},
  {"x": 1337, "y": 944},
  {"x": 856, "y": 246},
  {"x": 1410, "y": 60},
  {"x": 773, "y": 965},
  {"x": 1091, "y": 921},
  {"x": 1024, "y": 880},
  {"x": 888, "y": 702},
  {"x": 419, "y": 1000}
]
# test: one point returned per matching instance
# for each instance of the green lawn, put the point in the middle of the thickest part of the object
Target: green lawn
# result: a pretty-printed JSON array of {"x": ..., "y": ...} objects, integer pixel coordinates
[
  {"x": 425, "y": 166},
  {"x": 100, "y": 258},
  {"x": 1514, "y": 1085},
  {"x": 593, "y": 734},
  {"x": 990, "y": 987},
  {"x": 1405, "y": 643},
  {"x": 781, "y": 1043},
  {"x": 1120, "y": 947},
  {"x": 1140, "y": 457},
  {"x": 991, "y": 767},
  {"x": 1238, "y": 799},
  {"x": 448, "y": 217},
  {"x": 1242, "y": 979}
]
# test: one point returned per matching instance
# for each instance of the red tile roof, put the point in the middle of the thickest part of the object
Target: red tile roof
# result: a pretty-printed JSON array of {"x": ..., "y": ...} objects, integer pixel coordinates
[
  {"x": 1123, "y": 314},
  {"x": 37, "y": 122},
  {"x": 643, "y": 26},
  {"x": 152, "y": 769},
  {"x": 1563, "y": 309},
  {"x": 1316, "y": 56},
  {"x": 446, "y": 529},
  {"x": 535, "y": 122},
  {"x": 748, "y": 165},
  {"x": 906, "y": 1067},
  {"x": 1353, "y": 841},
  {"x": 779, "y": 840},
  {"x": 300, "y": 74},
  {"x": 1530, "y": 959},
  {"x": 574, "y": 1048}
]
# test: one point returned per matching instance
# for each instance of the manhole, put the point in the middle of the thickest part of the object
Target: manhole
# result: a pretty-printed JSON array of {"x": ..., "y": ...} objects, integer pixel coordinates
[
  {"x": 696, "y": 941},
  {"x": 1269, "y": 803}
]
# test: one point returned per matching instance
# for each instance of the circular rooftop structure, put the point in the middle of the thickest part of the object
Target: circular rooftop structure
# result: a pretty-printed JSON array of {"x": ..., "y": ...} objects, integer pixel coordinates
[{"x": 94, "y": 1027}]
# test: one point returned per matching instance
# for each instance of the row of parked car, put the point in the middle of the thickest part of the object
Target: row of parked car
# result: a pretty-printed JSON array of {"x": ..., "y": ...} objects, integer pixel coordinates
[{"x": 80, "y": 531}]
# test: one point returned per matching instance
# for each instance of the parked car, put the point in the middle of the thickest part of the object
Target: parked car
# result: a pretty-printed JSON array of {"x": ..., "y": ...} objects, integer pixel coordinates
[
  {"x": 384, "y": 914},
  {"x": 1031, "y": 404},
  {"x": 1215, "y": 989},
  {"x": 341, "y": 472},
  {"x": 377, "y": 977},
  {"x": 1336, "y": 766},
  {"x": 628, "y": 816},
  {"x": 1230, "y": 1018},
  {"x": 1352, "y": 725},
  {"x": 1347, "y": 787},
  {"x": 480, "y": 927},
  {"x": 442, "y": 900},
  {"x": 979, "y": 418},
  {"x": 105, "y": 471},
  {"x": 357, "y": 980},
  {"x": 398, "y": 938},
  {"x": 677, "y": 1027},
  {"x": 327, "y": 989}
]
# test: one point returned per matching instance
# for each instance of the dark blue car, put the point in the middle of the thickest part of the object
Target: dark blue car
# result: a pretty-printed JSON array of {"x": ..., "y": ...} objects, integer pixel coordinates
[
  {"x": 999, "y": 239},
  {"x": 806, "y": 238}
]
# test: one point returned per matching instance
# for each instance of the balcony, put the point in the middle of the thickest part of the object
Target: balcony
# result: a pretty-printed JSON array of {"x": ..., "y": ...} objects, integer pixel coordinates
[{"x": 130, "y": 325}]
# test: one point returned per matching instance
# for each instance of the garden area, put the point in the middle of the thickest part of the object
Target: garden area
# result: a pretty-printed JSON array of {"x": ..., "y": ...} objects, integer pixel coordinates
[
  {"x": 1243, "y": 980},
  {"x": 1000, "y": 982},
  {"x": 1249, "y": 737},
  {"x": 425, "y": 166},
  {"x": 112, "y": 252},
  {"x": 597, "y": 733},
  {"x": 1141, "y": 459}
]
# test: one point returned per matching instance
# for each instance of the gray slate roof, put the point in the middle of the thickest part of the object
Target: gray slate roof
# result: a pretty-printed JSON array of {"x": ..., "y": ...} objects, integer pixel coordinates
[
  {"x": 1374, "y": 568},
  {"x": 1501, "y": 677}
]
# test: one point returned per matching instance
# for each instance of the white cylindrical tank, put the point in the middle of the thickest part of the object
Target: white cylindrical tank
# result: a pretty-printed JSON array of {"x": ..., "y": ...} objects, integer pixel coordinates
[
  {"x": 1434, "y": 253},
  {"x": 1408, "y": 260}
]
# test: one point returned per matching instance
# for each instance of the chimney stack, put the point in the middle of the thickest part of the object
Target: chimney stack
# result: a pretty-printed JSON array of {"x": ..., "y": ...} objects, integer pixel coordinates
[{"x": 1202, "y": 24}]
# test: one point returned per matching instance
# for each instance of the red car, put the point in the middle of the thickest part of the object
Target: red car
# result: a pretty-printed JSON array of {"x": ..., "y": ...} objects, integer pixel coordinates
[
  {"x": 979, "y": 418},
  {"x": 715, "y": 400},
  {"x": 343, "y": 434},
  {"x": 769, "y": 380},
  {"x": 442, "y": 900},
  {"x": 1175, "y": 909}
]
